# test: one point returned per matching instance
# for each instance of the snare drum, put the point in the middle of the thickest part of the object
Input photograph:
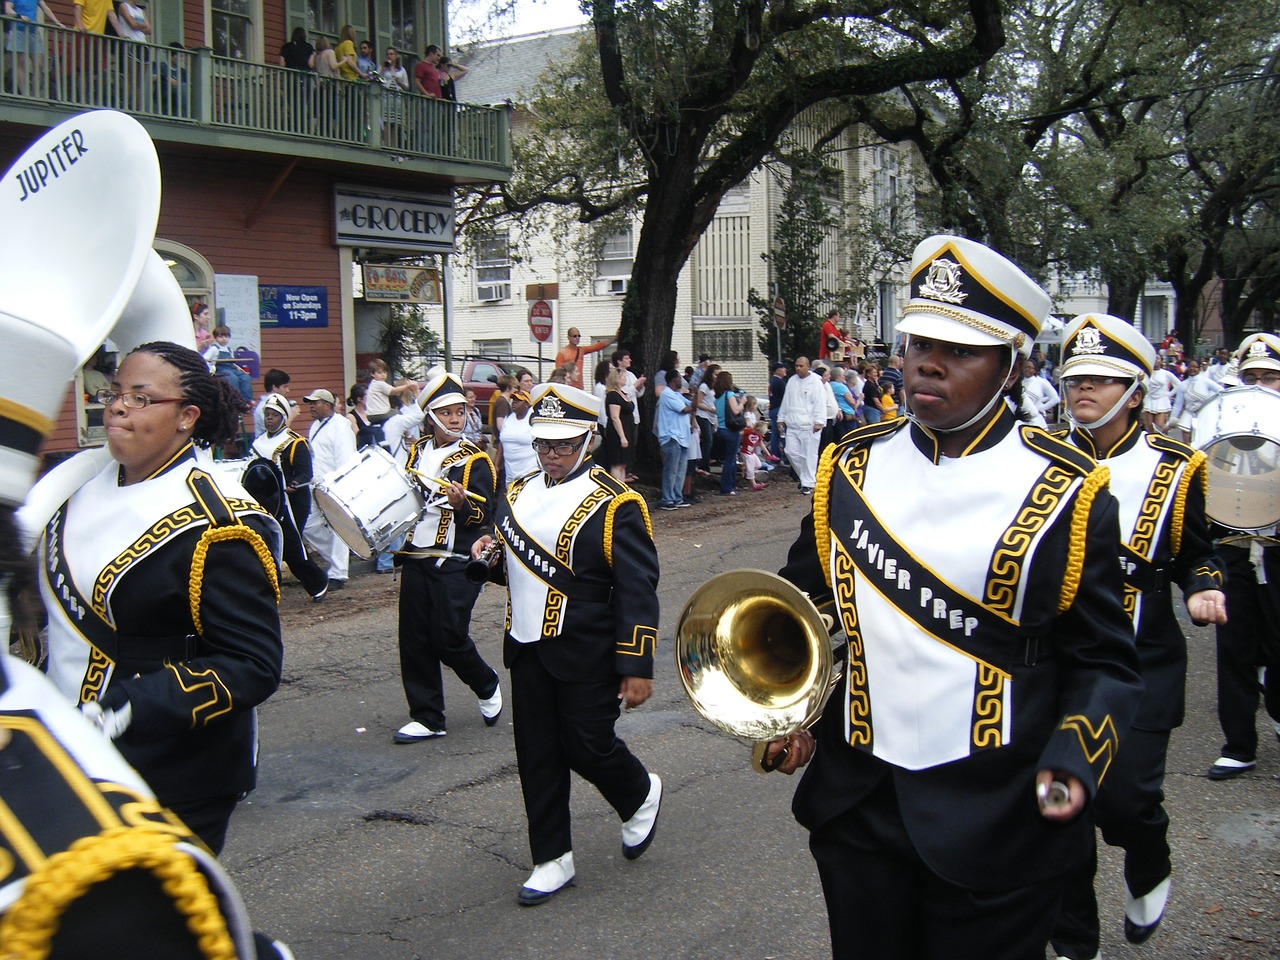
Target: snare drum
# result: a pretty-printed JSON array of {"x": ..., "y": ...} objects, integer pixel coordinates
[
  {"x": 369, "y": 501},
  {"x": 1239, "y": 432}
]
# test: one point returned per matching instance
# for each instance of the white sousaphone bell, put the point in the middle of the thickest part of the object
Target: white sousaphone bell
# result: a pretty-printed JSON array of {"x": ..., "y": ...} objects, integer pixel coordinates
[{"x": 80, "y": 208}]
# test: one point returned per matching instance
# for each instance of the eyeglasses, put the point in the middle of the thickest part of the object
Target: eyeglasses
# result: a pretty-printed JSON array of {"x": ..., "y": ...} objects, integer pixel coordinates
[
  {"x": 1073, "y": 383},
  {"x": 1253, "y": 379},
  {"x": 133, "y": 401},
  {"x": 560, "y": 449}
]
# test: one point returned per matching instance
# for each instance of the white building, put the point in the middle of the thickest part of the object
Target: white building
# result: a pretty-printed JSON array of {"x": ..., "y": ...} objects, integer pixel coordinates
[{"x": 713, "y": 316}]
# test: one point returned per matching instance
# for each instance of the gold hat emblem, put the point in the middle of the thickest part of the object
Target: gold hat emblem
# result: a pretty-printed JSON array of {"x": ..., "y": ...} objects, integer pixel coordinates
[
  {"x": 1258, "y": 349},
  {"x": 943, "y": 282},
  {"x": 1088, "y": 340},
  {"x": 551, "y": 409}
]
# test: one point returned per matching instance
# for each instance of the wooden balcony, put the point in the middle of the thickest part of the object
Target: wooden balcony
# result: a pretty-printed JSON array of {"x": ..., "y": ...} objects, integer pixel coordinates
[{"x": 193, "y": 97}]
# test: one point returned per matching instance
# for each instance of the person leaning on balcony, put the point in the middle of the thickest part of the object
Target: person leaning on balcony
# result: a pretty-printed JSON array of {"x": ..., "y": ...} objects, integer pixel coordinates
[
  {"x": 324, "y": 61},
  {"x": 92, "y": 16},
  {"x": 426, "y": 74},
  {"x": 297, "y": 53},
  {"x": 26, "y": 40},
  {"x": 346, "y": 53}
]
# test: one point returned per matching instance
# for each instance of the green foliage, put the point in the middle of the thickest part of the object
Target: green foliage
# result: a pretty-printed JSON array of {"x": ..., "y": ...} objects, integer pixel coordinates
[{"x": 405, "y": 338}]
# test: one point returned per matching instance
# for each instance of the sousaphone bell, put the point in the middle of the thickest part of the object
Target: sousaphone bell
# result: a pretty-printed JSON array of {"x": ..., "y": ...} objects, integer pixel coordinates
[{"x": 754, "y": 655}]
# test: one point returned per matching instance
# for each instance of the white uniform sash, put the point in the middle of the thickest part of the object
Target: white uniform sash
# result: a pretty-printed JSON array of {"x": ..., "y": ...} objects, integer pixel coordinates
[
  {"x": 435, "y": 527},
  {"x": 539, "y": 529},
  {"x": 928, "y": 679},
  {"x": 90, "y": 544},
  {"x": 1145, "y": 481}
]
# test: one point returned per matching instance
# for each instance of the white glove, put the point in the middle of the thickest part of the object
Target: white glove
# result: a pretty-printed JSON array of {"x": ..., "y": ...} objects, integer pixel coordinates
[{"x": 112, "y": 723}]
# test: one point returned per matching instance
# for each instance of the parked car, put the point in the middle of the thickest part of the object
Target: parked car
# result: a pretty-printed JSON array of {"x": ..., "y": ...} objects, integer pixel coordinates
[{"x": 481, "y": 375}]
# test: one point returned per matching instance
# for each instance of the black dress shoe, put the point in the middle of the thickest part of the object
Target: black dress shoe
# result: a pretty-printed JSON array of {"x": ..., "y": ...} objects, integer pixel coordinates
[
  {"x": 337, "y": 584},
  {"x": 1139, "y": 934}
]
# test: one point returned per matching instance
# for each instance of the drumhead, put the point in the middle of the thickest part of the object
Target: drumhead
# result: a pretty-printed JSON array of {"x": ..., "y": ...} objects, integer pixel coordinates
[
  {"x": 344, "y": 525},
  {"x": 1239, "y": 432}
]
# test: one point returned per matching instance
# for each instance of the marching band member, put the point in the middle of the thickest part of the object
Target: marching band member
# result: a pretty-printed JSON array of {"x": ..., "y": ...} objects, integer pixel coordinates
[
  {"x": 1191, "y": 395},
  {"x": 288, "y": 496},
  {"x": 90, "y": 864},
  {"x": 1164, "y": 538},
  {"x": 1251, "y": 638},
  {"x": 161, "y": 585},
  {"x": 435, "y": 595},
  {"x": 990, "y": 667},
  {"x": 582, "y": 614}
]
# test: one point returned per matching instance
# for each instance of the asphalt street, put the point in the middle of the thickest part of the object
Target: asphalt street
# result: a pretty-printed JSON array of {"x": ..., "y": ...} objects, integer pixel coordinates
[{"x": 353, "y": 847}]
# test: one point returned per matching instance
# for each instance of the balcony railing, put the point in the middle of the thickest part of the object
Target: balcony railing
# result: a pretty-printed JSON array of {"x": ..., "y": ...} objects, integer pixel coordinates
[{"x": 195, "y": 87}]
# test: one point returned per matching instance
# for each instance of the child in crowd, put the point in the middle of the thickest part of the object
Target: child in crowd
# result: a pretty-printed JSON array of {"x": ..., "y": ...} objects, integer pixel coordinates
[
  {"x": 750, "y": 451},
  {"x": 888, "y": 401},
  {"x": 223, "y": 364}
]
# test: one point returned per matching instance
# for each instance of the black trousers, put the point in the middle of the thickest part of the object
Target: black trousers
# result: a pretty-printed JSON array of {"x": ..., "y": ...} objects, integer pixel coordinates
[
  {"x": 1129, "y": 809},
  {"x": 562, "y": 727},
  {"x": 435, "y": 620},
  {"x": 884, "y": 903},
  {"x": 1250, "y": 639},
  {"x": 207, "y": 817},
  {"x": 309, "y": 574}
]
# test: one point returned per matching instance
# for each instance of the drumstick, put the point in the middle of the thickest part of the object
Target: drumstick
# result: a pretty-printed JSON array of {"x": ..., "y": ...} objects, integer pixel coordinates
[{"x": 445, "y": 485}]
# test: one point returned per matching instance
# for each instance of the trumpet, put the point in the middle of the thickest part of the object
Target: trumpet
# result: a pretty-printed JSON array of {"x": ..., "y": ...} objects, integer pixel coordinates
[
  {"x": 477, "y": 570},
  {"x": 754, "y": 655}
]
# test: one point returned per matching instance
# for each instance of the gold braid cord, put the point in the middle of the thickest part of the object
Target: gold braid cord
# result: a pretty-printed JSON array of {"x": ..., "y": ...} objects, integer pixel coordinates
[
  {"x": 822, "y": 508},
  {"x": 1196, "y": 463},
  {"x": 1098, "y": 479},
  {"x": 237, "y": 531},
  {"x": 629, "y": 496},
  {"x": 28, "y": 929}
]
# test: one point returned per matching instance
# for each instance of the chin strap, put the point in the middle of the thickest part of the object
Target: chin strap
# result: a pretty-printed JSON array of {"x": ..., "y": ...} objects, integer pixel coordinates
[
  {"x": 442, "y": 428},
  {"x": 1109, "y": 415}
]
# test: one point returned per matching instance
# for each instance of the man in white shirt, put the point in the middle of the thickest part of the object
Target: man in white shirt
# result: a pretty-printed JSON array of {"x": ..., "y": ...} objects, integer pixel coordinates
[
  {"x": 803, "y": 415},
  {"x": 1039, "y": 397},
  {"x": 333, "y": 443}
]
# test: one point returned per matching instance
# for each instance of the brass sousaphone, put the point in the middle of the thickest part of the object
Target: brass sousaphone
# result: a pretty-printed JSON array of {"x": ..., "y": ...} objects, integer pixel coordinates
[{"x": 754, "y": 656}]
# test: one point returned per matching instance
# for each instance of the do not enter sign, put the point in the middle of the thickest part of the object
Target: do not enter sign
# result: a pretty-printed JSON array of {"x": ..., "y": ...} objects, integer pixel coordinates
[{"x": 540, "y": 320}]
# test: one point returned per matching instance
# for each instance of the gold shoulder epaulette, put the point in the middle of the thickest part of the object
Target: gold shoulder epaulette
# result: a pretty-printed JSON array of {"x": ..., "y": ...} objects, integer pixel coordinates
[
  {"x": 1158, "y": 441},
  {"x": 1059, "y": 450}
]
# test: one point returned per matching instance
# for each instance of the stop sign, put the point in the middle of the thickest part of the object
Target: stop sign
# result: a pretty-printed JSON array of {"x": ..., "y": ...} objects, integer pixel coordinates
[{"x": 540, "y": 320}]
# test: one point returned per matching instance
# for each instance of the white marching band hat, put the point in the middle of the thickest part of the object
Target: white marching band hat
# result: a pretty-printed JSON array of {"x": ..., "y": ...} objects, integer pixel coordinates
[
  {"x": 964, "y": 292},
  {"x": 442, "y": 390},
  {"x": 562, "y": 412},
  {"x": 279, "y": 404},
  {"x": 1100, "y": 345},
  {"x": 1259, "y": 352}
]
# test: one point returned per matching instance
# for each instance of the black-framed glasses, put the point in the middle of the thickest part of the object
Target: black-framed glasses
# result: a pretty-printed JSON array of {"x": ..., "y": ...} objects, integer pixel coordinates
[
  {"x": 134, "y": 401},
  {"x": 1252, "y": 379},
  {"x": 1073, "y": 383},
  {"x": 561, "y": 448}
]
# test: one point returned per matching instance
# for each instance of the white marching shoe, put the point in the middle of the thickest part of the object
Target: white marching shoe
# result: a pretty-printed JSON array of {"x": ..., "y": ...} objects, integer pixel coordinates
[
  {"x": 415, "y": 732},
  {"x": 491, "y": 708},
  {"x": 546, "y": 879},
  {"x": 1143, "y": 914},
  {"x": 637, "y": 833}
]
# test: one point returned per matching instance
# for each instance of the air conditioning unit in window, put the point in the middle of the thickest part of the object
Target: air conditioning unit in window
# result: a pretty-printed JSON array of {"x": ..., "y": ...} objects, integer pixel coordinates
[
  {"x": 618, "y": 286},
  {"x": 492, "y": 292}
]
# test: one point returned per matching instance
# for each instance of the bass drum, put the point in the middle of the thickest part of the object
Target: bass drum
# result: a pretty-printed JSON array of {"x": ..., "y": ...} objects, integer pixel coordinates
[
  {"x": 1239, "y": 432},
  {"x": 369, "y": 501}
]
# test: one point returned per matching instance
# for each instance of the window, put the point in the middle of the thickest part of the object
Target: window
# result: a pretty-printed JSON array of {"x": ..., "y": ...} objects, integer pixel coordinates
[
  {"x": 404, "y": 27},
  {"x": 491, "y": 348},
  {"x": 613, "y": 270},
  {"x": 888, "y": 310},
  {"x": 725, "y": 344},
  {"x": 322, "y": 17},
  {"x": 493, "y": 268},
  {"x": 233, "y": 28}
]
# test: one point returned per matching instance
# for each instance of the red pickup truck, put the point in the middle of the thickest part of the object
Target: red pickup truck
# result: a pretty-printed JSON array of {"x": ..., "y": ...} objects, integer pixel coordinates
[{"x": 481, "y": 375}]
